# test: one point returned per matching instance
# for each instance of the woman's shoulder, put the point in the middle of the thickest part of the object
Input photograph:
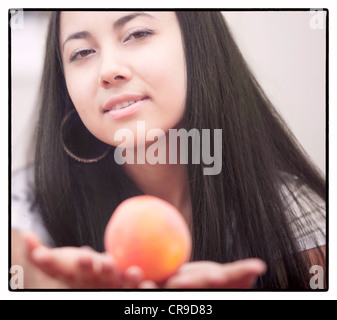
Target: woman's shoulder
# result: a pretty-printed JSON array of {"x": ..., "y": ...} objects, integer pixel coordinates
[
  {"x": 23, "y": 181},
  {"x": 25, "y": 215}
]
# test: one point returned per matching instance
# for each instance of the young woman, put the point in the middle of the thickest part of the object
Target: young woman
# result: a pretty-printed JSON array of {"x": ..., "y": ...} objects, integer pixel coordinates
[{"x": 259, "y": 223}]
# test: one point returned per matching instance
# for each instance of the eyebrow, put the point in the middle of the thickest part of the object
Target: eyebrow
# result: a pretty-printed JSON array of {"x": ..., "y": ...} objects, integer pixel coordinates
[
  {"x": 116, "y": 25},
  {"x": 124, "y": 20}
]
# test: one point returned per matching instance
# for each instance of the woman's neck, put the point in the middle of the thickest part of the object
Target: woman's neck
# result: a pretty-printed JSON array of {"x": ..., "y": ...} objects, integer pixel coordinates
[{"x": 166, "y": 181}]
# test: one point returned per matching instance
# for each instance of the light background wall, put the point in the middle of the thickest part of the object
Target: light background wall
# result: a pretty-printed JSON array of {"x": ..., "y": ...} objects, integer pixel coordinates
[
  {"x": 285, "y": 50},
  {"x": 27, "y": 54}
]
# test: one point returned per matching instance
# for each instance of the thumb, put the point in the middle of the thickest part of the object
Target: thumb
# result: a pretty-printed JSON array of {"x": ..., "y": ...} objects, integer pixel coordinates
[{"x": 31, "y": 241}]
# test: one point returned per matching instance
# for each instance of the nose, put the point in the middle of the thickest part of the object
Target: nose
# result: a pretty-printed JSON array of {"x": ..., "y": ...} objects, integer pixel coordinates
[{"x": 113, "y": 72}]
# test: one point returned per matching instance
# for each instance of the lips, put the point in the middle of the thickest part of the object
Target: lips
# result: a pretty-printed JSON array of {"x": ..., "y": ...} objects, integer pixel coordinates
[{"x": 122, "y": 101}]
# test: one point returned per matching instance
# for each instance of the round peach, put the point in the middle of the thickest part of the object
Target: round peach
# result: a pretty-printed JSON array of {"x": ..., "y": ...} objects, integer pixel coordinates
[{"x": 150, "y": 233}]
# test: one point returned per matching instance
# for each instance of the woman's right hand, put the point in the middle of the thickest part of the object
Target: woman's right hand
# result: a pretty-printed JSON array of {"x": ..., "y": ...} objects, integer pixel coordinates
[{"x": 81, "y": 268}]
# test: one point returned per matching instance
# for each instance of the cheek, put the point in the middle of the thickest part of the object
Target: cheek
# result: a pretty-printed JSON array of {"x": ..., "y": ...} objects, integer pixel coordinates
[
  {"x": 164, "y": 71},
  {"x": 81, "y": 88}
]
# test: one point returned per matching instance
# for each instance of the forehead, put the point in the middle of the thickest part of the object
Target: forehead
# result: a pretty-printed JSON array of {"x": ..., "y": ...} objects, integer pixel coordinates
[{"x": 71, "y": 21}]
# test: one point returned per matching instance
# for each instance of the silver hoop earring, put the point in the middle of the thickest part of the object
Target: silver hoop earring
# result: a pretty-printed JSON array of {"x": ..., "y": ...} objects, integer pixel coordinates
[{"x": 71, "y": 154}]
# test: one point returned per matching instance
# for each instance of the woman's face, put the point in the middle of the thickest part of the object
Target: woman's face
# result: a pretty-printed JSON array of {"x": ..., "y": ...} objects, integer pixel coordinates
[{"x": 111, "y": 58}]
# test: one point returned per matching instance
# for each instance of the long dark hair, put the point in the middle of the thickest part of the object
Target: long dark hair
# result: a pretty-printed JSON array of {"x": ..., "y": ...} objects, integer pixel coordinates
[{"x": 237, "y": 214}]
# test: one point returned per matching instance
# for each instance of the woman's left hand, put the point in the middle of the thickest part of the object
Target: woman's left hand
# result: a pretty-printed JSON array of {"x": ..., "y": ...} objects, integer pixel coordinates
[{"x": 241, "y": 274}]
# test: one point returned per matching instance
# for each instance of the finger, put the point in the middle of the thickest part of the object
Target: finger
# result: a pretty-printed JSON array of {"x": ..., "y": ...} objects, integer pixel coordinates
[
  {"x": 236, "y": 275},
  {"x": 148, "y": 284},
  {"x": 132, "y": 277},
  {"x": 185, "y": 282},
  {"x": 242, "y": 274},
  {"x": 110, "y": 275},
  {"x": 42, "y": 259},
  {"x": 193, "y": 275},
  {"x": 80, "y": 268},
  {"x": 86, "y": 273},
  {"x": 31, "y": 241},
  {"x": 95, "y": 270},
  {"x": 57, "y": 262}
]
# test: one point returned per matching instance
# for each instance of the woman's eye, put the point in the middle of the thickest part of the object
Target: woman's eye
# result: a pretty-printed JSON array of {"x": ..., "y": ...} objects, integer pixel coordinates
[
  {"x": 81, "y": 54},
  {"x": 138, "y": 35}
]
